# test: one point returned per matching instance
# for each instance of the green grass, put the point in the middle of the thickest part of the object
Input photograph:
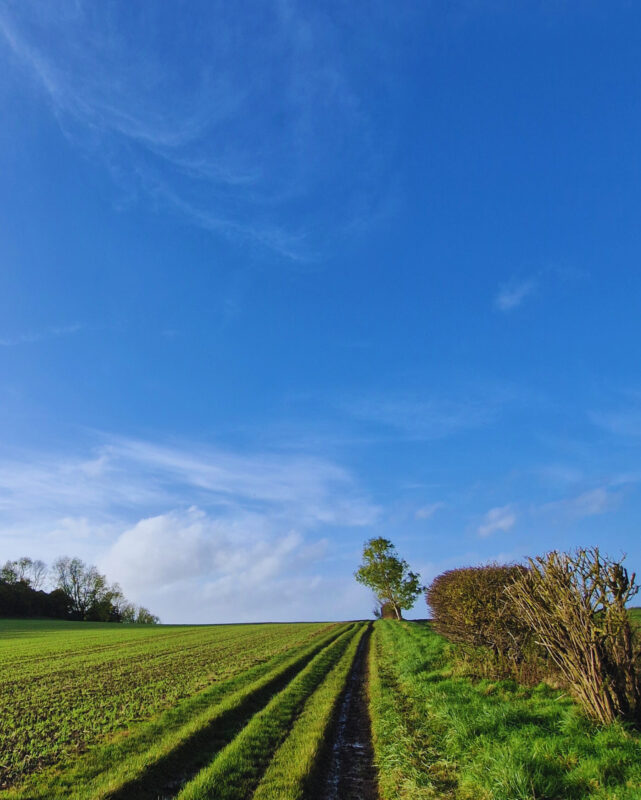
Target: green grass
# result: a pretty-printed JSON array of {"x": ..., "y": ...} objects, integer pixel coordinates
[
  {"x": 439, "y": 735},
  {"x": 66, "y": 688},
  {"x": 237, "y": 770},
  {"x": 105, "y": 712},
  {"x": 291, "y": 772},
  {"x": 635, "y": 615}
]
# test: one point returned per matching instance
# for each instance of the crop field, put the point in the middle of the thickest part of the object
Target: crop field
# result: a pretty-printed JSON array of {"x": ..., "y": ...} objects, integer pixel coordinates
[
  {"x": 106, "y": 711},
  {"x": 115, "y": 712}
]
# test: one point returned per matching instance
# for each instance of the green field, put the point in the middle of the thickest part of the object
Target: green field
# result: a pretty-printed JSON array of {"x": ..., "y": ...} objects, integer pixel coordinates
[
  {"x": 103, "y": 711},
  {"x": 93, "y": 710}
]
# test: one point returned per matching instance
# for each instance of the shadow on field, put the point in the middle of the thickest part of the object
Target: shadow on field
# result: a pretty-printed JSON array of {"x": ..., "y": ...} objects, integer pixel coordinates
[{"x": 164, "y": 779}]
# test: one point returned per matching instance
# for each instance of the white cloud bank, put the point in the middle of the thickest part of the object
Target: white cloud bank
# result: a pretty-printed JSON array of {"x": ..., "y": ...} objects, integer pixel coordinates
[
  {"x": 204, "y": 568},
  {"x": 198, "y": 534}
]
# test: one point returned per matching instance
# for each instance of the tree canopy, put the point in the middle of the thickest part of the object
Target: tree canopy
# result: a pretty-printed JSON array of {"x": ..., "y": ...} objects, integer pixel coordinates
[{"x": 389, "y": 576}]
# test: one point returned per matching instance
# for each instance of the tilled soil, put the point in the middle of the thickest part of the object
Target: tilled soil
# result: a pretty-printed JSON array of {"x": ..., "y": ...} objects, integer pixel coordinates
[{"x": 349, "y": 772}]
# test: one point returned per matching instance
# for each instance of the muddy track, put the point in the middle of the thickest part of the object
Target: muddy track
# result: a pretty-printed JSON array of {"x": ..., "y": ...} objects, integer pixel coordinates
[{"x": 348, "y": 771}]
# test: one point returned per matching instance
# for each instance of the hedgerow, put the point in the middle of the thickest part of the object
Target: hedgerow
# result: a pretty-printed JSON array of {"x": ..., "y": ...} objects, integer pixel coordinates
[{"x": 562, "y": 617}]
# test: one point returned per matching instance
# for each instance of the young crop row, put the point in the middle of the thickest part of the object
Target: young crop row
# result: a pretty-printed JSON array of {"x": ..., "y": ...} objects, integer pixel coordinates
[
  {"x": 437, "y": 734},
  {"x": 46, "y": 649},
  {"x": 157, "y": 757},
  {"x": 262, "y": 759},
  {"x": 52, "y": 712},
  {"x": 293, "y": 772}
]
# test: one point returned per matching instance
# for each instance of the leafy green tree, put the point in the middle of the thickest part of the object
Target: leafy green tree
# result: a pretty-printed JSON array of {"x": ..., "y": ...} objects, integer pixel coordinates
[
  {"x": 389, "y": 576},
  {"x": 128, "y": 612},
  {"x": 9, "y": 573},
  {"x": 138, "y": 614},
  {"x": 145, "y": 617}
]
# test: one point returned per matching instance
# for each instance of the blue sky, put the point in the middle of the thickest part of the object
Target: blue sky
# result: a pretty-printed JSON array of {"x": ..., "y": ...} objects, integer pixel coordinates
[{"x": 279, "y": 277}]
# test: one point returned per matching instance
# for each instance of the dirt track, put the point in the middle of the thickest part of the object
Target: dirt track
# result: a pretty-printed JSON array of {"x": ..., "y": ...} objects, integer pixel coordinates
[{"x": 349, "y": 772}]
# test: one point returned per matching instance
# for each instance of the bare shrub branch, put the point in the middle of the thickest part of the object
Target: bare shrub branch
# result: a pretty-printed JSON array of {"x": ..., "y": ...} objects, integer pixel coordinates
[{"x": 576, "y": 605}]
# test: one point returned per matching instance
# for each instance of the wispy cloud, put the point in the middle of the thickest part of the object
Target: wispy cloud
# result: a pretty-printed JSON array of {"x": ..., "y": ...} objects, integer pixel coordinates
[
  {"x": 53, "y": 332},
  {"x": 587, "y": 504},
  {"x": 430, "y": 418},
  {"x": 428, "y": 511},
  {"x": 625, "y": 423},
  {"x": 126, "y": 475},
  {"x": 513, "y": 293},
  {"x": 501, "y": 518},
  {"x": 196, "y": 129},
  {"x": 560, "y": 474}
]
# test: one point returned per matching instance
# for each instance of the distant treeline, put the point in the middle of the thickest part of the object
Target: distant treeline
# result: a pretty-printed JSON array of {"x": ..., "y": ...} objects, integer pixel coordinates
[{"x": 77, "y": 591}]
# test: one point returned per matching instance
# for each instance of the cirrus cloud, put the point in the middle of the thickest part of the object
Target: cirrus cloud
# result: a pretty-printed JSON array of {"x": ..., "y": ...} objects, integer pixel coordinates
[
  {"x": 513, "y": 293},
  {"x": 501, "y": 518}
]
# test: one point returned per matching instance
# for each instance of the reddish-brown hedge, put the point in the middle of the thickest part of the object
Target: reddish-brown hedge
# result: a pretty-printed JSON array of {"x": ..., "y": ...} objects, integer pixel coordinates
[{"x": 470, "y": 606}]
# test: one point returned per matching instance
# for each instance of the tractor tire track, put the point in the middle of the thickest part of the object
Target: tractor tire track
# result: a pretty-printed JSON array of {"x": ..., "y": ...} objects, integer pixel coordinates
[{"x": 348, "y": 772}]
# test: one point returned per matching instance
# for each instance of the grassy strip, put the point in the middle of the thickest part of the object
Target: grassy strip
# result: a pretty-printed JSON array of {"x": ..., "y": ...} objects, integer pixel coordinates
[
  {"x": 290, "y": 772},
  {"x": 179, "y": 742},
  {"x": 440, "y": 735},
  {"x": 237, "y": 770},
  {"x": 409, "y": 765}
]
